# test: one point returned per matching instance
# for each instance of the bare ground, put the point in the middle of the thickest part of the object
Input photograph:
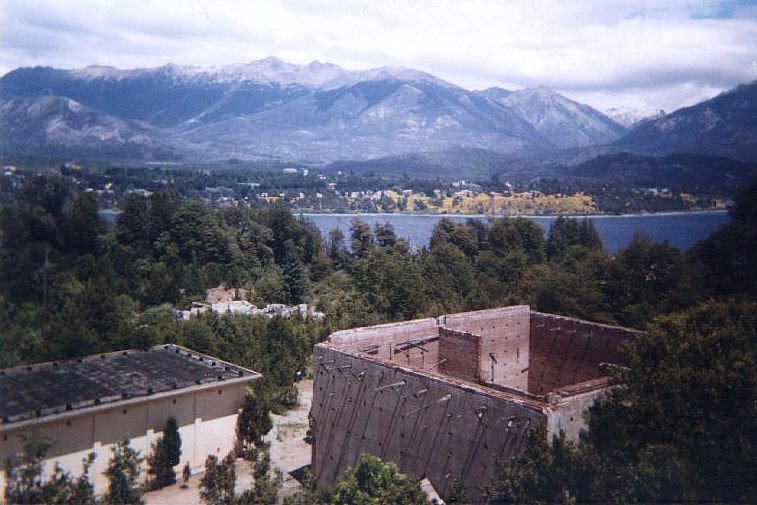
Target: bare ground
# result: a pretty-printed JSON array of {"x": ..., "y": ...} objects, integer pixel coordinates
[
  {"x": 221, "y": 294},
  {"x": 289, "y": 453}
]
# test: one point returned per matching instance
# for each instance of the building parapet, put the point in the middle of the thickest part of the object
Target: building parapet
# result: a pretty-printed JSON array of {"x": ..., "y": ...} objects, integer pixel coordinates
[{"x": 66, "y": 388}]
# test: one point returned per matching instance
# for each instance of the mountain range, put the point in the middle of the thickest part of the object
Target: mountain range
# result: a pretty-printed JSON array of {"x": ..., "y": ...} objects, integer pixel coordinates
[
  {"x": 320, "y": 113},
  {"x": 725, "y": 125}
]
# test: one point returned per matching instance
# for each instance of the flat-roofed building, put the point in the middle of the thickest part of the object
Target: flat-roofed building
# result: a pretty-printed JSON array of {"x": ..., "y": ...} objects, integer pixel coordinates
[
  {"x": 450, "y": 397},
  {"x": 88, "y": 404}
]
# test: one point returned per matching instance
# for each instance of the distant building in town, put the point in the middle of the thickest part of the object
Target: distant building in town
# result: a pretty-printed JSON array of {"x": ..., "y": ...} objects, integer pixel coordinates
[
  {"x": 449, "y": 398},
  {"x": 87, "y": 405}
]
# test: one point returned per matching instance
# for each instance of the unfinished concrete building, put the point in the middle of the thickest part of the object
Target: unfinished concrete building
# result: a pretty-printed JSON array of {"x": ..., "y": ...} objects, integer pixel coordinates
[{"x": 447, "y": 398}]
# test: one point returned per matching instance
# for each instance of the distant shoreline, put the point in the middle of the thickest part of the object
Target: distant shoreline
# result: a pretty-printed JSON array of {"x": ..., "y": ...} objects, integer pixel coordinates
[
  {"x": 486, "y": 216},
  {"x": 495, "y": 216}
]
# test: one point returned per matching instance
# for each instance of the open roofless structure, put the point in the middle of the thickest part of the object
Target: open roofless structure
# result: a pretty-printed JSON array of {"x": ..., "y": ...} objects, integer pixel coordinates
[{"x": 447, "y": 398}]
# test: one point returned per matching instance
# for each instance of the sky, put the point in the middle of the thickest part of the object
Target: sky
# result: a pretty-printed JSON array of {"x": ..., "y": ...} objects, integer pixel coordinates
[{"x": 635, "y": 55}]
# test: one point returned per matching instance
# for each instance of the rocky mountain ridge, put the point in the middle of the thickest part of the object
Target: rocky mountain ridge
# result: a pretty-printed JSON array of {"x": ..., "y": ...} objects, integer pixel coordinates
[
  {"x": 564, "y": 122},
  {"x": 320, "y": 113},
  {"x": 270, "y": 109},
  {"x": 725, "y": 125}
]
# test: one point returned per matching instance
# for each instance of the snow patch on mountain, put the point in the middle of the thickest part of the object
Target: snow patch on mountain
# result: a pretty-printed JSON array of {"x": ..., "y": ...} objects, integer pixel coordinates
[
  {"x": 631, "y": 118},
  {"x": 271, "y": 70}
]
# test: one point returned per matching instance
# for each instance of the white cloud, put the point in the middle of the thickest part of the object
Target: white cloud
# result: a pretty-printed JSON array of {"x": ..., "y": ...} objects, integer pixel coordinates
[{"x": 650, "y": 54}]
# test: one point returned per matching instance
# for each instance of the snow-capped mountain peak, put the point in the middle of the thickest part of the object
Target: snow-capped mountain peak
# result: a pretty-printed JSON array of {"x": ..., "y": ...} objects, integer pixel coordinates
[
  {"x": 99, "y": 72},
  {"x": 270, "y": 70},
  {"x": 623, "y": 115},
  {"x": 540, "y": 90},
  {"x": 398, "y": 73},
  {"x": 631, "y": 118}
]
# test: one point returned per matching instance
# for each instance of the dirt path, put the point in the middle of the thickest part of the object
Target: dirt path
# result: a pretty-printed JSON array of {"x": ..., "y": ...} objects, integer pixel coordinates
[{"x": 289, "y": 452}]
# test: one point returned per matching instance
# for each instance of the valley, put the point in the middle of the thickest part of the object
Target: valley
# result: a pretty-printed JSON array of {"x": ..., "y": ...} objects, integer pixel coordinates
[{"x": 388, "y": 139}]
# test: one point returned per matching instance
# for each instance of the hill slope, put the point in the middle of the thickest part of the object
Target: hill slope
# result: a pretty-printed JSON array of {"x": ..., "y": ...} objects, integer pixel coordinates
[
  {"x": 562, "y": 121},
  {"x": 62, "y": 126},
  {"x": 722, "y": 126},
  {"x": 678, "y": 172},
  {"x": 272, "y": 109}
]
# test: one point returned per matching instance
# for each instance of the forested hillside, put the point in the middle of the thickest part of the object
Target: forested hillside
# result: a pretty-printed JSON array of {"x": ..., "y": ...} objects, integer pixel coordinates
[{"x": 70, "y": 287}]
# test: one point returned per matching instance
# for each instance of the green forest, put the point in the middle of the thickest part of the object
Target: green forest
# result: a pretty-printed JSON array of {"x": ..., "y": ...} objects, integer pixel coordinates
[{"x": 681, "y": 427}]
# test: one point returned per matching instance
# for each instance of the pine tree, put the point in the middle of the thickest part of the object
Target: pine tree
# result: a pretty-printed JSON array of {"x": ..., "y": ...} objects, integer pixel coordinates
[
  {"x": 186, "y": 473},
  {"x": 23, "y": 479},
  {"x": 166, "y": 454},
  {"x": 123, "y": 476},
  {"x": 217, "y": 485},
  {"x": 24, "y": 483},
  {"x": 296, "y": 282},
  {"x": 253, "y": 423}
]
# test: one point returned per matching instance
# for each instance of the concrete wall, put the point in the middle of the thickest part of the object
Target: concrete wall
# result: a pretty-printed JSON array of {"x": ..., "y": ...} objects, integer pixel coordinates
[
  {"x": 389, "y": 341},
  {"x": 430, "y": 426},
  {"x": 206, "y": 419},
  {"x": 567, "y": 413},
  {"x": 460, "y": 354},
  {"x": 566, "y": 351},
  {"x": 498, "y": 372},
  {"x": 504, "y": 342}
]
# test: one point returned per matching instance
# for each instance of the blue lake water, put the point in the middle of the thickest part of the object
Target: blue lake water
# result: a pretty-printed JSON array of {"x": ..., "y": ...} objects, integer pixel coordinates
[{"x": 681, "y": 230}]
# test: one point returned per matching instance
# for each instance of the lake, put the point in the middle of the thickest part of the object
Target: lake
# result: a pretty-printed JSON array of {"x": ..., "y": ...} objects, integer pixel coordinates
[{"x": 681, "y": 229}]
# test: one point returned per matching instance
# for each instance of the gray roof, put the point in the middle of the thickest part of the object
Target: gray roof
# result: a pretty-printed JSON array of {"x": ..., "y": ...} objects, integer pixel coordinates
[{"x": 46, "y": 389}]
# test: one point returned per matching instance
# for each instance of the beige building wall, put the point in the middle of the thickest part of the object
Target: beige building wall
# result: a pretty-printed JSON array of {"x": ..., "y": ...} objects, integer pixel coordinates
[{"x": 206, "y": 418}]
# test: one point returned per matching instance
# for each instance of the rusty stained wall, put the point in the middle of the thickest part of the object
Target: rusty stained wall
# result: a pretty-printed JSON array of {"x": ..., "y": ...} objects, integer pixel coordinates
[
  {"x": 459, "y": 354},
  {"x": 566, "y": 351},
  {"x": 505, "y": 334},
  {"x": 386, "y": 341},
  {"x": 429, "y": 426}
]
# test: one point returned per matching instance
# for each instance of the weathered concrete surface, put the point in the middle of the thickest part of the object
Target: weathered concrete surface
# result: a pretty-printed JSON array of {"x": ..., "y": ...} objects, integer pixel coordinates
[
  {"x": 566, "y": 413},
  {"x": 428, "y": 425},
  {"x": 460, "y": 354},
  {"x": 567, "y": 351},
  {"x": 406, "y": 343},
  {"x": 449, "y": 398},
  {"x": 504, "y": 336}
]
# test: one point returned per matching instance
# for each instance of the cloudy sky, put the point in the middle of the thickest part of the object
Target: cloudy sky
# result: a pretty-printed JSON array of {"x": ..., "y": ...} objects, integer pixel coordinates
[{"x": 625, "y": 53}]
